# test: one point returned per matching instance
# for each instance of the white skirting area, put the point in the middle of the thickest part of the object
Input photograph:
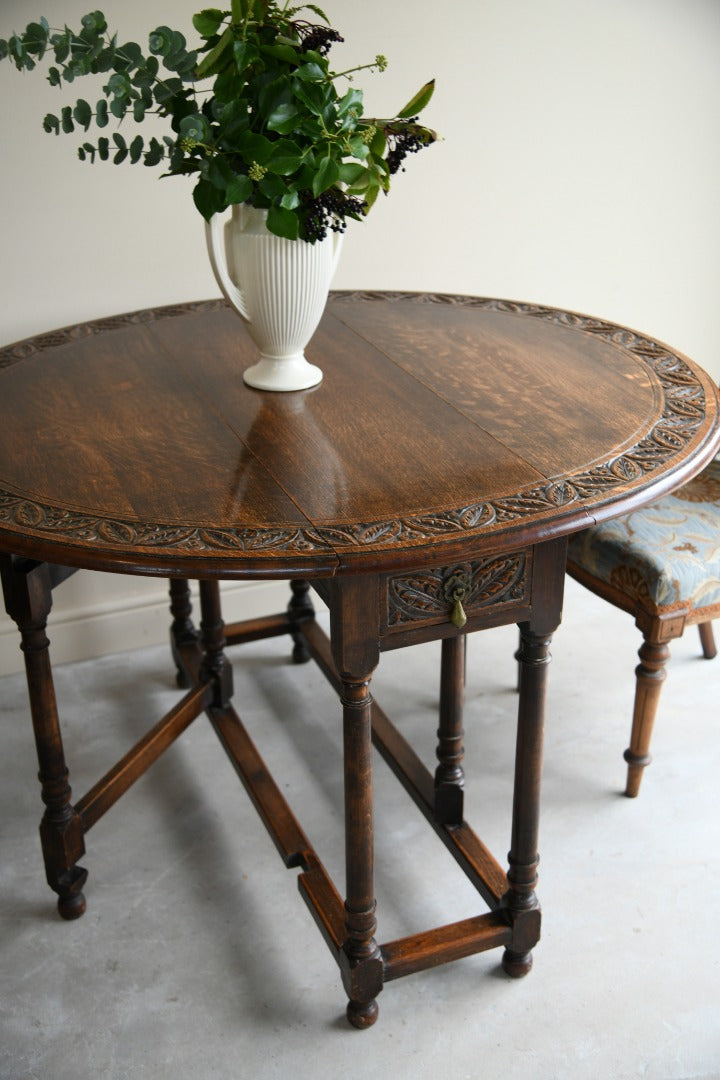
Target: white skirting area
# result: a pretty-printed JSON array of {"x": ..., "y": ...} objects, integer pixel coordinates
[{"x": 97, "y": 614}]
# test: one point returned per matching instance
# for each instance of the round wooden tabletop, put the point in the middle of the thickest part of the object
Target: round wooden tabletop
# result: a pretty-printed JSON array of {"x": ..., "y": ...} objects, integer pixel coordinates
[{"x": 443, "y": 427}]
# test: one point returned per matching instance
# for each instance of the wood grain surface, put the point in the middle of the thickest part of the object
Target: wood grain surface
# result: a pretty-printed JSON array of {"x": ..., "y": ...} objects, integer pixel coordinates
[{"x": 442, "y": 425}]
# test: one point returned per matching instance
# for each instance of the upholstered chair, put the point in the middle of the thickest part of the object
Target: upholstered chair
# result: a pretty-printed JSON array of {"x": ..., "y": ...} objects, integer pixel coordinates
[{"x": 662, "y": 565}]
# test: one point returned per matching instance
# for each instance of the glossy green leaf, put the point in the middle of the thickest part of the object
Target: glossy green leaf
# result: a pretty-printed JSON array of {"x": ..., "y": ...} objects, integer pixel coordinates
[
  {"x": 312, "y": 72},
  {"x": 378, "y": 143},
  {"x": 351, "y": 172},
  {"x": 255, "y": 148},
  {"x": 238, "y": 190},
  {"x": 283, "y": 222},
  {"x": 243, "y": 54},
  {"x": 286, "y": 157},
  {"x": 417, "y": 104},
  {"x": 316, "y": 96},
  {"x": 207, "y": 199},
  {"x": 283, "y": 118},
  {"x": 272, "y": 186},
  {"x": 219, "y": 172},
  {"x": 218, "y": 56},
  {"x": 327, "y": 174},
  {"x": 207, "y": 21},
  {"x": 353, "y": 100},
  {"x": 286, "y": 53},
  {"x": 359, "y": 147}
]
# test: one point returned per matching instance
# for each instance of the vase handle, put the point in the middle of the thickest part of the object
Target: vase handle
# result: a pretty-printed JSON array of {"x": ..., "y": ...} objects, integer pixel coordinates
[{"x": 216, "y": 250}]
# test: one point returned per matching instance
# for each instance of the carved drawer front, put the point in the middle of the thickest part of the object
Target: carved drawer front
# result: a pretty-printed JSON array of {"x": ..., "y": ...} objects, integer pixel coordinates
[{"x": 457, "y": 592}]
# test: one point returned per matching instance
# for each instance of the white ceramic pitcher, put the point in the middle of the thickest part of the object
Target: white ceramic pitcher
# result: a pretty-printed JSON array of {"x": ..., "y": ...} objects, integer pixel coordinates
[{"x": 280, "y": 287}]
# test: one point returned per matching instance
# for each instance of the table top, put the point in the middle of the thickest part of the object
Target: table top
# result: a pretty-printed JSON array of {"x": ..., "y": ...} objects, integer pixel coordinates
[{"x": 443, "y": 427}]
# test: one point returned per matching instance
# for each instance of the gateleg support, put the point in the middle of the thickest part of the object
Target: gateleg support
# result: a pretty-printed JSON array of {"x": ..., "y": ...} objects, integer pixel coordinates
[{"x": 27, "y": 586}]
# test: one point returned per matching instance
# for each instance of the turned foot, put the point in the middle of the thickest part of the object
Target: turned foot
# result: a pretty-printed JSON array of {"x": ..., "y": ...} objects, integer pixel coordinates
[
  {"x": 71, "y": 907},
  {"x": 707, "y": 640},
  {"x": 516, "y": 964},
  {"x": 300, "y": 653},
  {"x": 637, "y": 763},
  {"x": 362, "y": 1014},
  {"x": 650, "y": 674},
  {"x": 71, "y": 901}
]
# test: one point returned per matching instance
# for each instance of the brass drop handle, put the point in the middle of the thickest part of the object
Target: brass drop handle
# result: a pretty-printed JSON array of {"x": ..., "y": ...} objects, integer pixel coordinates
[
  {"x": 458, "y": 617},
  {"x": 457, "y": 590}
]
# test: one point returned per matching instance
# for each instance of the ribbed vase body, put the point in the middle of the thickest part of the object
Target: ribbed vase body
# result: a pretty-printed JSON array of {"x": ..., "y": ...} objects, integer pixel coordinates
[{"x": 280, "y": 287}]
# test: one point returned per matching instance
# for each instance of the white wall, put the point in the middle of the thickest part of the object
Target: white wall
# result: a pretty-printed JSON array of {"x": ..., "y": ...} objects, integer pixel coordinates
[{"x": 580, "y": 167}]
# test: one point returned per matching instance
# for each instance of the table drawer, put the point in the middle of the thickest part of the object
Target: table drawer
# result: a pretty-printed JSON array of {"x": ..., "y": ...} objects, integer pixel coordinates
[{"x": 456, "y": 593}]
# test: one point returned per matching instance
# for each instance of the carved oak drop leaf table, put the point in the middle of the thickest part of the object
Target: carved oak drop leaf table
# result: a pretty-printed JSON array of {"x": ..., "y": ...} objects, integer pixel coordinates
[{"x": 425, "y": 489}]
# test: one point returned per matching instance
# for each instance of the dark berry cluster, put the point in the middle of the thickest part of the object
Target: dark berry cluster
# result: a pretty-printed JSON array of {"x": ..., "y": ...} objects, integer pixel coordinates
[
  {"x": 329, "y": 211},
  {"x": 316, "y": 38},
  {"x": 401, "y": 143}
]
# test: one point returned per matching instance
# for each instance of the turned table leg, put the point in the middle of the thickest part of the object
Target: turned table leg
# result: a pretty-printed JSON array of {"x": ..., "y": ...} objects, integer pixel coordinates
[
  {"x": 182, "y": 629},
  {"x": 522, "y": 903},
  {"x": 300, "y": 607},
  {"x": 449, "y": 775},
  {"x": 214, "y": 665},
  {"x": 28, "y": 601},
  {"x": 361, "y": 948},
  {"x": 354, "y": 634}
]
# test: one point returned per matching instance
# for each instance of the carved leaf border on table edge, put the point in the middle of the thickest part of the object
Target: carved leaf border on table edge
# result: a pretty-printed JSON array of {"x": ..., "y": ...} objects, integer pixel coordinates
[{"x": 682, "y": 415}]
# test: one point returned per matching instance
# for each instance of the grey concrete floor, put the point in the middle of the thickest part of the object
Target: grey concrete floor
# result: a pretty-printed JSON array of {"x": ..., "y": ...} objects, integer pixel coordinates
[{"x": 196, "y": 957}]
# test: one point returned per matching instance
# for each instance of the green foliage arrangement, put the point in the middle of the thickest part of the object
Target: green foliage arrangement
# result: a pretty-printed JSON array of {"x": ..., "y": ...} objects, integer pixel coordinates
[{"x": 255, "y": 113}]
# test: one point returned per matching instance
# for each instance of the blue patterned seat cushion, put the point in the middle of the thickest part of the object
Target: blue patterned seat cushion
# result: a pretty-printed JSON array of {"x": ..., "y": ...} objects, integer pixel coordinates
[{"x": 667, "y": 553}]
